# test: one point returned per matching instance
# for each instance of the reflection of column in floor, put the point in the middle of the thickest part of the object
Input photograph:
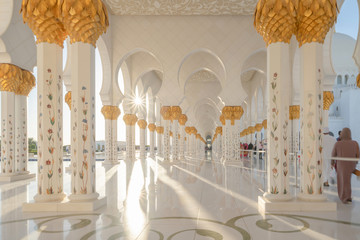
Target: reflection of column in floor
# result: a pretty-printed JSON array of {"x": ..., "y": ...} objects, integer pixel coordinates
[{"x": 111, "y": 187}]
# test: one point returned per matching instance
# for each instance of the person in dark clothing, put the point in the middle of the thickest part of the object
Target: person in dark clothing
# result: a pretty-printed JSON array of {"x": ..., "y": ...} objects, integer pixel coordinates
[
  {"x": 251, "y": 146},
  {"x": 338, "y": 138}
]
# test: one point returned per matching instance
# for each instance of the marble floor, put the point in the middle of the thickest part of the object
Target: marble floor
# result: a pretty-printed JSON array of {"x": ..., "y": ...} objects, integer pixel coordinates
[{"x": 193, "y": 199}]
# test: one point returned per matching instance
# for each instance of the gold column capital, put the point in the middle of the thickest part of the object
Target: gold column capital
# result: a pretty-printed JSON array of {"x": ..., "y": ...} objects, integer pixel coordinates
[
  {"x": 328, "y": 99},
  {"x": 165, "y": 112},
  {"x": 85, "y": 21},
  {"x": 27, "y": 83},
  {"x": 130, "y": 119},
  {"x": 68, "y": 99},
  {"x": 193, "y": 130},
  {"x": 142, "y": 123},
  {"x": 258, "y": 127},
  {"x": 251, "y": 129},
  {"x": 358, "y": 80},
  {"x": 160, "y": 130},
  {"x": 238, "y": 112},
  {"x": 315, "y": 18},
  {"x": 152, "y": 127},
  {"x": 171, "y": 134},
  {"x": 183, "y": 119},
  {"x": 175, "y": 112},
  {"x": 109, "y": 112},
  {"x": 188, "y": 130},
  {"x": 10, "y": 77},
  {"x": 43, "y": 18},
  {"x": 227, "y": 112},
  {"x": 264, "y": 123},
  {"x": 222, "y": 119},
  {"x": 294, "y": 112},
  {"x": 275, "y": 20}
]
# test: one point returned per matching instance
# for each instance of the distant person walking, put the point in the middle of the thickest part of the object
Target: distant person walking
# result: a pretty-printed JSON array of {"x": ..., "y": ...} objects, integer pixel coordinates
[
  {"x": 328, "y": 145},
  {"x": 349, "y": 149},
  {"x": 339, "y": 138}
]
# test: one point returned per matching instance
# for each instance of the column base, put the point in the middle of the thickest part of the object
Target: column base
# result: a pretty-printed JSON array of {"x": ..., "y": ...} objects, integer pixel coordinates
[
  {"x": 64, "y": 206},
  {"x": 312, "y": 198},
  {"x": 83, "y": 197},
  {"x": 68, "y": 169},
  {"x": 294, "y": 205},
  {"x": 16, "y": 177}
]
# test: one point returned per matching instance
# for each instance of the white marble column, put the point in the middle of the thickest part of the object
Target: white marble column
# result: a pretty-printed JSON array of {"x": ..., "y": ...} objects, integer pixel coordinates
[
  {"x": 21, "y": 147},
  {"x": 142, "y": 124},
  {"x": 7, "y": 133},
  {"x": 311, "y": 122},
  {"x": 278, "y": 116},
  {"x": 159, "y": 135},
  {"x": 111, "y": 114},
  {"x": 166, "y": 140},
  {"x": 182, "y": 121},
  {"x": 50, "y": 97},
  {"x": 83, "y": 183},
  {"x": 294, "y": 115},
  {"x": 130, "y": 120},
  {"x": 175, "y": 140},
  {"x": 152, "y": 128}
]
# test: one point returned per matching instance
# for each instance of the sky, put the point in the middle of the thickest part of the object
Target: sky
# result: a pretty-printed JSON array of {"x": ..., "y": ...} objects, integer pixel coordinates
[{"x": 347, "y": 23}]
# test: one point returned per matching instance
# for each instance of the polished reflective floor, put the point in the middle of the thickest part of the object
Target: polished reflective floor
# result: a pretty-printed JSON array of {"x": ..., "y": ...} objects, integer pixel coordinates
[{"x": 193, "y": 199}]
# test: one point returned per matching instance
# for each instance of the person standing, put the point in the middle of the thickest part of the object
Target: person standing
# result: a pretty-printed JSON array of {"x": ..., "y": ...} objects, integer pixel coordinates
[
  {"x": 339, "y": 138},
  {"x": 328, "y": 145},
  {"x": 349, "y": 149}
]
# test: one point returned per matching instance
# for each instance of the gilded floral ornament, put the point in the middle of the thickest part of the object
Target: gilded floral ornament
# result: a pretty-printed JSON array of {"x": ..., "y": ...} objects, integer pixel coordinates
[
  {"x": 43, "y": 18},
  {"x": 166, "y": 112},
  {"x": 328, "y": 99},
  {"x": 142, "y": 123},
  {"x": 10, "y": 77},
  {"x": 183, "y": 119},
  {"x": 175, "y": 112},
  {"x": 152, "y": 127},
  {"x": 110, "y": 112},
  {"x": 27, "y": 83},
  {"x": 68, "y": 99},
  {"x": 315, "y": 18},
  {"x": 275, "y": 20},
  {"x": 358, "y": 80},
  {"x": 193, "y": 130},
  {"x": 227, "y": 111},
  {"x": 264, "y": 123},
  {"x": 130, "y": 119},
  {"x": 84, "y": 20},
  {"x": 294, "y": 112},
  {"x": 238, "y": 112},
  {"x": 258, "y": 127},
  {"x": 222, "y": 119},
  {"x": 160, "y": 130}
]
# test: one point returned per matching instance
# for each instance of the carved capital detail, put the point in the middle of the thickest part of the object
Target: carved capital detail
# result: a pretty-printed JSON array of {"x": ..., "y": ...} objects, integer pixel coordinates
[
  {"x": 142, "y": 123},
  {"x": 152, "y": 127},
  {"x": 130, "y": 119},
  {"x": 109, "y": 112},
  {"x": 328, "y": 99},
  {"x": 68, "y": 99}
]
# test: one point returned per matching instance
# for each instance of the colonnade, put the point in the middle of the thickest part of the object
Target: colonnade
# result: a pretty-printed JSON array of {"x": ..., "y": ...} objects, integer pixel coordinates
[
  {"x": 310, "y": 28},
  {"x": 52, "y": 23},
  {"x": 15, "y": 85}
]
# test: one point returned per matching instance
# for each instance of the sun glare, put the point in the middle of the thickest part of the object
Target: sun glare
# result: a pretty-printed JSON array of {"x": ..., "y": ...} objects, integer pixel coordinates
[{"x": 138, "y": 101}]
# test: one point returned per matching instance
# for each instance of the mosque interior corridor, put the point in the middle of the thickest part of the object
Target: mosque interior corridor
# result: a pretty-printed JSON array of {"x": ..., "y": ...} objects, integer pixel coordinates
[{"x": 179, "y": 120}]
